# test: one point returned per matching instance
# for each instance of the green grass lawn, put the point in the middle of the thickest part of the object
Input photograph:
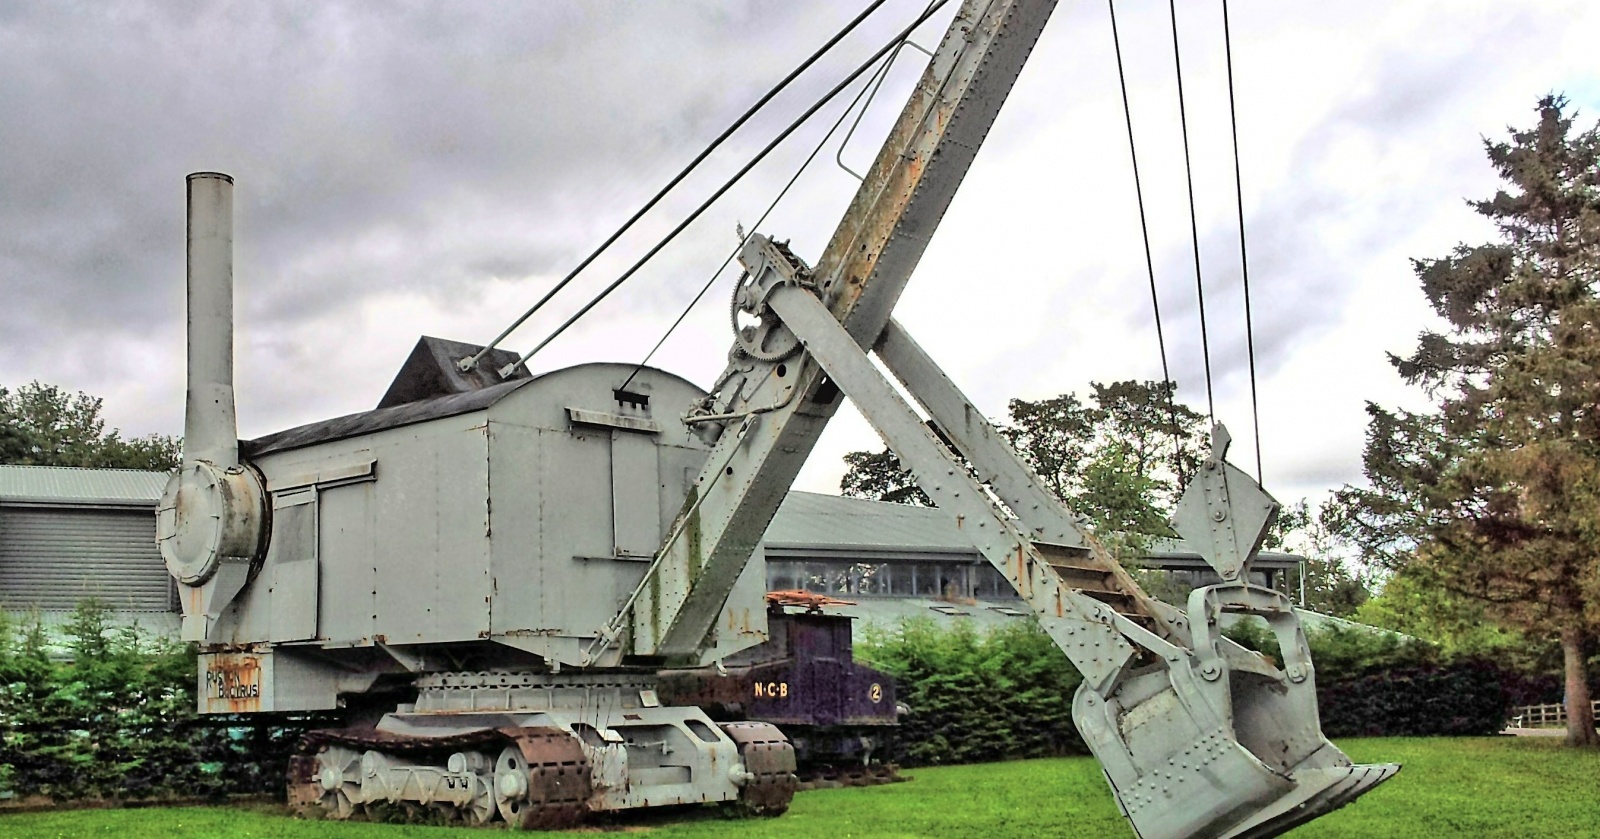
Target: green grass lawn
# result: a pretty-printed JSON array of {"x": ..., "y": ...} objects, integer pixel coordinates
[{"x": 1481, "y": 787}]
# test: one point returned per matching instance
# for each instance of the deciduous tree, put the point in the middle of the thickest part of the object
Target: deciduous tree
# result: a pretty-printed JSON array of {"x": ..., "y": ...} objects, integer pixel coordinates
[
  {"x": 1120, "y": 459},
  {"x": 43, "y": 425}
]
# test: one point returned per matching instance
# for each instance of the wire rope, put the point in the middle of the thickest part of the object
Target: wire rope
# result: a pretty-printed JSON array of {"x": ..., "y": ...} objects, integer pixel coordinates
[
  {"x": 1244, "y": 261},
  {"x": 1194, "y": 224},
  {"x": 1149, "y": 262},
  {"x": 871, "y": 84},
  {"x": 472, "y": 361},
  {"x": 793, "y": 126}
]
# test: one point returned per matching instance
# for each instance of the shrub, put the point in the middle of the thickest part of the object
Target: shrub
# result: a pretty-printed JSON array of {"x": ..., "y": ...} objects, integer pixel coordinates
[
  {"x": 116, "y": 720},
  {"x": 1007, "y": 693},
  {"x": 1382, "y": 684},
  {"x": 976, "y": 696},
  {"x": 1464, "y": 698}
]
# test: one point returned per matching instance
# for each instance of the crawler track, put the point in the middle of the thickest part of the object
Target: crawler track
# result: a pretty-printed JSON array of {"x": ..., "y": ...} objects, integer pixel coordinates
[{"x": 553, "y": 792}]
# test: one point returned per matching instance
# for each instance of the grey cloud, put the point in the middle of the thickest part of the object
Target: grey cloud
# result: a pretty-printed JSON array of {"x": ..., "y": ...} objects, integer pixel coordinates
[{"x": 418, "y": 147}]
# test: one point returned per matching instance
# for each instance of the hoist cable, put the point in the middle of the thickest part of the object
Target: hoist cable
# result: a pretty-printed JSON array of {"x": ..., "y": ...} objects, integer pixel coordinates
[
  {"x": 1244, "y": 261},
  {"x": 784, "y": 135},
  {"x": 677, "y": 179},
  {"x": 1149, "y": 262},
  {"x": 1194, "y": 224},
  {"x": 877, "y": 78}
]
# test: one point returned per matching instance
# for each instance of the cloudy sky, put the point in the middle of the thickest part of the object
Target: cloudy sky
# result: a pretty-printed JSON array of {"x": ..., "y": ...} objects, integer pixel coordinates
[{"x": 433, "y": 168}]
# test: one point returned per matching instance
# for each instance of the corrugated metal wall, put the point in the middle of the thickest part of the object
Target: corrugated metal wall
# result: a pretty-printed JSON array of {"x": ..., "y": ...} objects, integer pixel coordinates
[{"x": 53, "y": 557}]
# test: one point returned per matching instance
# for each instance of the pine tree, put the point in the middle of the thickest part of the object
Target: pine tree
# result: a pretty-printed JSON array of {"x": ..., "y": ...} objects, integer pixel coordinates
[{"x": 1497, "y": 494}]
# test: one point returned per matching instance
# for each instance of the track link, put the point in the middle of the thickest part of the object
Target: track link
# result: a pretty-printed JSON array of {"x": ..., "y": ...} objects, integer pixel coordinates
[
  {"x": 540, "y": 780},
  {"x": 769, "y": 761}
]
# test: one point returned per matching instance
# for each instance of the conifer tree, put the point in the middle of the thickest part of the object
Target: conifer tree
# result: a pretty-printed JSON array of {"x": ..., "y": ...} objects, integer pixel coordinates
[{"x": 1496, "y": 494}]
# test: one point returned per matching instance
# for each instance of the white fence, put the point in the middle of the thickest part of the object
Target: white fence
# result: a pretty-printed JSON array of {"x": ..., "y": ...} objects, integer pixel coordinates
[{"x": 1545, "y": 716}]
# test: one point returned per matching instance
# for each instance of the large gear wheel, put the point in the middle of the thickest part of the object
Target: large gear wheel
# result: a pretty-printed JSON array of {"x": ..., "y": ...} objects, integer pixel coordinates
[{"x": 760, "y": 333}]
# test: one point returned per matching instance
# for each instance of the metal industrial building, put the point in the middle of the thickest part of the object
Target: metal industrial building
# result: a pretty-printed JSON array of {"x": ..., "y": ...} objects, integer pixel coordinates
[
  {"x": 896, "y": 560},
  {"x": 68, "y": 534}
]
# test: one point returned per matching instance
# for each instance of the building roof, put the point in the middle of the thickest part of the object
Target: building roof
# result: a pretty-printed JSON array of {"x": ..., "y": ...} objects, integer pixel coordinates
[
  {"x": 808, "y": 521},
  {"x": 811, "y": 524},
  {"x": 66, "y": 485}
]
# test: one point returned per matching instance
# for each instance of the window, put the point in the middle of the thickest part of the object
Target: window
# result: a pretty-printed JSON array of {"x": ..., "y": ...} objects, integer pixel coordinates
[
  {"x": 902, "y": 578},
  {"x": 989, "y": 584},
  {"x": 869, "y": 578},
  {"x": 782, "y": 575},
  {"x": 954, "y": 582}
]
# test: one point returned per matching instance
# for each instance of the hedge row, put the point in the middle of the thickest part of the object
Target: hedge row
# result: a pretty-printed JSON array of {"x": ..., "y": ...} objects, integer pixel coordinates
[
  {"x": 1380, "y": 684},
  {"x": 116, "y": 721},
  {"x": 1007, "y": 693},
  {"x": 976, "y": 696}
]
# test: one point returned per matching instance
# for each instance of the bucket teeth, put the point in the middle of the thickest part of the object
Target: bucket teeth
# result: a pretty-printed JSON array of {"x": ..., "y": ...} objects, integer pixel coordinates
[{"x": 1317, "y": 792}]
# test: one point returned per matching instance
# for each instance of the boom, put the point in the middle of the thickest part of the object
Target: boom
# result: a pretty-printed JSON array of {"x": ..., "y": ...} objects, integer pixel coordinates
[
  {"x": 1198, "y": 737},
  {"x": 772, "y": 402}
]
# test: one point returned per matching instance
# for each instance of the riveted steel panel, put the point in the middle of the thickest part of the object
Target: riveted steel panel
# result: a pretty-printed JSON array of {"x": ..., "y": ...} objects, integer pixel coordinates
[
  {"x": 635, "y": 494},
  {"x": 432, "y": 534},
  {"x": 292, "y": 565},
  {"x": 349, "y": 567}
]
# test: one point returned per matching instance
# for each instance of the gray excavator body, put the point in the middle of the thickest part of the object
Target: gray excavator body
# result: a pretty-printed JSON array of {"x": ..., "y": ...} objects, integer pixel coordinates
[{"x": 485, "y": 570}]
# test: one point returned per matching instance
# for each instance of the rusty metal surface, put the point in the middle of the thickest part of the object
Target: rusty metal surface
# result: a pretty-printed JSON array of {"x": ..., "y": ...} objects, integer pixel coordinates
[
  {"x": 811, "y": 601},
  {"x": 304, "y": 793},
  {"x": 769, "y": 759},
  {"x": 559, "y": 778},
  {"x": 559, "y": 782},
  {"x": 232, "y": 683}
]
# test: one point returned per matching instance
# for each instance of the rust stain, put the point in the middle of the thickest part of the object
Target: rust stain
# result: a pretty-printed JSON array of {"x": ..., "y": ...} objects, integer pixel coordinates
[{"x": 233, "y": 683}]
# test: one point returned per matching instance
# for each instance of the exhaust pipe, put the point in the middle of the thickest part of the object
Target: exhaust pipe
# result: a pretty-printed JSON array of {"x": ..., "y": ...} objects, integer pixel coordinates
[
  {"x": 210, "y": 427},
  {"x": 211, "y": 526}
]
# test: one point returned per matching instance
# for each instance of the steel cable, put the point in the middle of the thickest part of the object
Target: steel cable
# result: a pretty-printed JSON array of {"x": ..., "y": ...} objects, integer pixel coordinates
[
  {"x": 877, "y": 78},
  {"x": 469, "y": 363},
  {"x": 1194, "y": 224},
  {"x": 1244, "y": 261},
  {"x": 784, "y": 135},
  {"x": 1149, "y": 262}
]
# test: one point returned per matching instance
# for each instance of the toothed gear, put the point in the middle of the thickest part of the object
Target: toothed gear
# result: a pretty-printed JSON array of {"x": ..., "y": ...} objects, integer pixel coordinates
[{"x": 768, "y": 340}]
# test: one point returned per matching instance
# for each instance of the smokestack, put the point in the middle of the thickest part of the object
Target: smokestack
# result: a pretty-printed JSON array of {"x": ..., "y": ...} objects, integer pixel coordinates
[
  {"x": 210, "y": 429},
  {"x": 211, "y": 522}
]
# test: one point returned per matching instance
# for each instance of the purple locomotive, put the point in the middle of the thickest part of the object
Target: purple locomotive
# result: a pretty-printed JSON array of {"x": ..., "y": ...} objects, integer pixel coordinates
[{"x": 840, "y": 715}]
